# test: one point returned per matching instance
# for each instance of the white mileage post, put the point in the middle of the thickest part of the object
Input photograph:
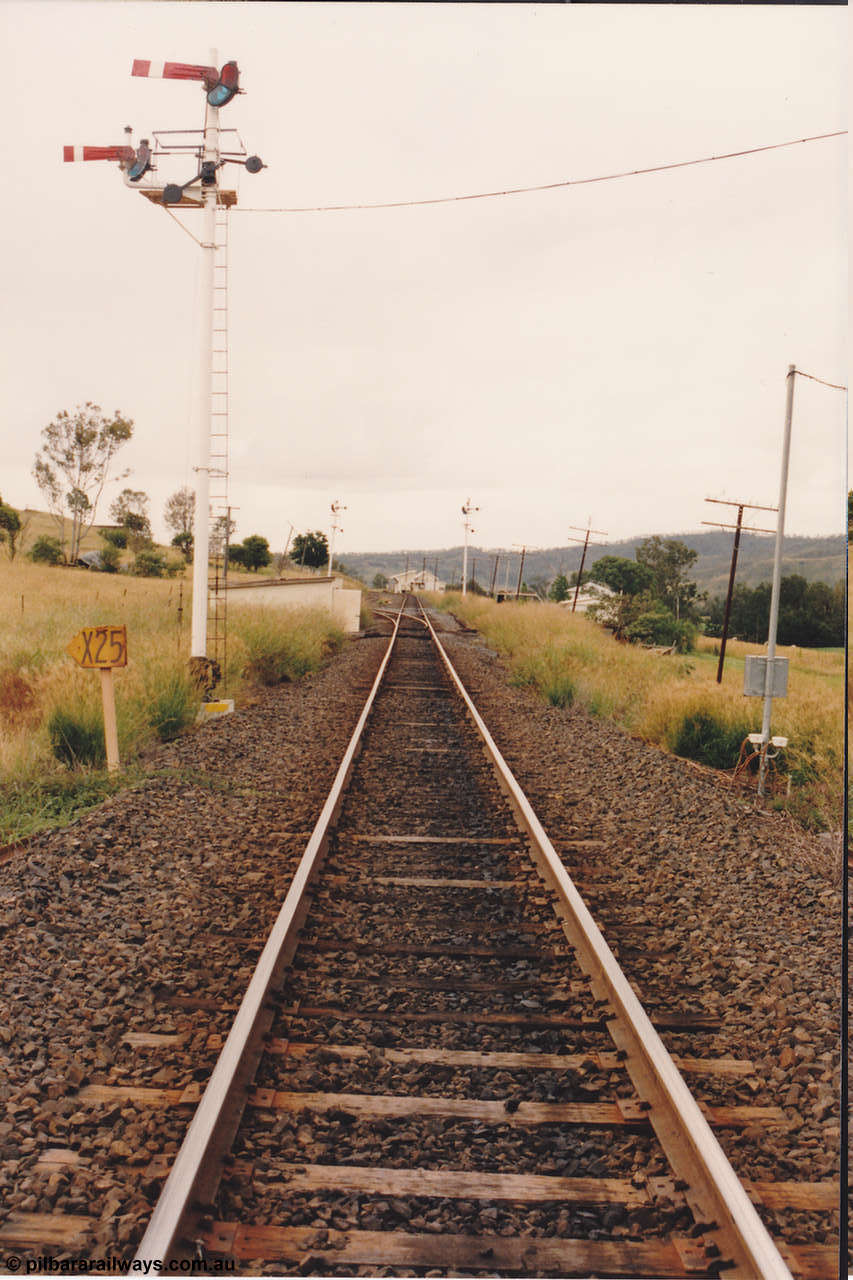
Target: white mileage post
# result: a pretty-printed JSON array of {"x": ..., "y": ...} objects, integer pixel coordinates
[{"x": 102, "y": 649}]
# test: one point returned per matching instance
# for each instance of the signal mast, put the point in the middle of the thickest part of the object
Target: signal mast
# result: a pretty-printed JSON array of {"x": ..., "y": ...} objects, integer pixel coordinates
[
  {"x": 201, "y": 191},
  {"x": 467, "y": 511}
]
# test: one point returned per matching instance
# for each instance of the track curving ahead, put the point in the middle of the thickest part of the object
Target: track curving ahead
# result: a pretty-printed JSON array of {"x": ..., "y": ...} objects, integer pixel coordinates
[{"x": 438, "y": 1064}]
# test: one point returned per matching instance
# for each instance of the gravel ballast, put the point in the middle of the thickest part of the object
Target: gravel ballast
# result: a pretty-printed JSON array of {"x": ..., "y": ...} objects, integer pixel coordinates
[{"x": 146, "y": 916}]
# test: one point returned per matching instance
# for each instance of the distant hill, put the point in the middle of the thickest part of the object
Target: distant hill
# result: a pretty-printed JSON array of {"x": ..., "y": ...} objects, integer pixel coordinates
[{"x": 816, "y": 559}]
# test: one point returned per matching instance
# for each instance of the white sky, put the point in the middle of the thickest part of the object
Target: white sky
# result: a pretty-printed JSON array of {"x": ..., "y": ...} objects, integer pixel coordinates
[{"x": 615, "y": 351}]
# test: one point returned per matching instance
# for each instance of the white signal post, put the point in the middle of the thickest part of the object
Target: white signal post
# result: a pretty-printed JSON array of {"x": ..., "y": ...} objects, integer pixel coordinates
[
  {"x": 220, "y": 86},
  {"x": 469, "y": 528},
  {"x": 337, "y": 507}
]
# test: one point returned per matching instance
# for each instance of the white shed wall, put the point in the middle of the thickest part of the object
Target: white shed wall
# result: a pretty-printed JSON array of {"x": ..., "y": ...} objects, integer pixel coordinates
[{"x": 344, "y": 603}]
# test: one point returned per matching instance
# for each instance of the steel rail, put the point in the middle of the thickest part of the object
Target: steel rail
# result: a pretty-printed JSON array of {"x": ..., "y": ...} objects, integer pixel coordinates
[
  {"x": 191, "y": 1184},
  {"x": 714, "y": 1192}
]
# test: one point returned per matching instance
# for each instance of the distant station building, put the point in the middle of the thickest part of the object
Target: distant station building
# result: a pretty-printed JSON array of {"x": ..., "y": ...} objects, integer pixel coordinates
[{"x": 415, "y": 580}]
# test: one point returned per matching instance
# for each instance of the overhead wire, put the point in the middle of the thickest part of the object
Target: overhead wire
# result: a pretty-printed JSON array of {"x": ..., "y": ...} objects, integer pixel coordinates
[
  {"x": 836, "y": 386},
  {"x": 548, "y": 186}
]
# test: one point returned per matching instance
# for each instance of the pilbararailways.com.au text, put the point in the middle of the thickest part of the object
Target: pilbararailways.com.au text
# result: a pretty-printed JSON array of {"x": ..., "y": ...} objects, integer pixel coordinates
[{"x": 116, "y": 1264}]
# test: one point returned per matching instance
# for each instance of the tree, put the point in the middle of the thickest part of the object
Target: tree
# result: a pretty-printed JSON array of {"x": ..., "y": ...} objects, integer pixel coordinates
[
  {"x": 179, "y": 514},
  {"x": 559, "y": 588},
  {"x": 130, "y": 511},
  {"x": 220, "y": 535},
  {"x": 631, "y": 584},
  {"x": 668, "y": 560},
  {"x": 256, "y": 552},
  {"x": 10, "y": 527},
  {"x": 810, "y": 613},
  {"x": 625, "y": 577},
  {"x": 310, "y": 549},
  {"x": 72, "y": 467},
  {"x": 380, "y": 582},
  {"x": 184, "y": 542}
]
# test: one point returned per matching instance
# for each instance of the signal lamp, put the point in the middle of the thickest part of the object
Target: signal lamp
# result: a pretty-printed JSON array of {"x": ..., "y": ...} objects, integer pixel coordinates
[
  {"x": 254, "y": 164},
  {"x": 226, "y": 86},
  {"x": 141, "y": 163},
  {"x": 172, "y": 193}
]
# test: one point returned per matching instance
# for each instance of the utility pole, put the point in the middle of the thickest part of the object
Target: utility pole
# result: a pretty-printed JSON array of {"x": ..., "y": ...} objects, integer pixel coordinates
[
  {"x": 469, "y": 528},
  {"x": 523, "y": 549},
  {"x": 520, "y": 574},
  {"x": 494, "y": 576},
  {"x": 289, "y": 536},
  {"x": 585, "y": 541},
  {"x": 336, "y": 508},
  {"x": 737, "y": 528}
]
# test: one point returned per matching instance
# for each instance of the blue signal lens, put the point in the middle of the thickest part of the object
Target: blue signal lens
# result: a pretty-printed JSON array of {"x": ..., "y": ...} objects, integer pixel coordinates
[
  {"x": 220, "y": 94},
  {"x": 226, "y": 86}
]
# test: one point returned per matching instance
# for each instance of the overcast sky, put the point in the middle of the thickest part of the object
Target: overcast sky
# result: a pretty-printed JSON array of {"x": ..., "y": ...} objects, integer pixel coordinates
[{"x": 614, "y": 352}]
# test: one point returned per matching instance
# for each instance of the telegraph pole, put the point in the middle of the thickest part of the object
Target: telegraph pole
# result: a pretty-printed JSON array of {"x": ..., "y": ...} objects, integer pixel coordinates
[
  {"x": 523, "y": 548},
  {"x": 494, "y": 575},
  {"x": 585, "y": 540},
  {"x": 468, "y": 527},
  {"x": 737, "y": 528}
]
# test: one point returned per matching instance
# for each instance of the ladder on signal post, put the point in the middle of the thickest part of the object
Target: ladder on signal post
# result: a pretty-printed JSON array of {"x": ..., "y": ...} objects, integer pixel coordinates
[{"x": 219, "y": 510}]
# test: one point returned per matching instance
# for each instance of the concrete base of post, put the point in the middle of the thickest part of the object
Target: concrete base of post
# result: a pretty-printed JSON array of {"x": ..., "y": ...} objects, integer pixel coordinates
[{"x": 211, "y": 710}]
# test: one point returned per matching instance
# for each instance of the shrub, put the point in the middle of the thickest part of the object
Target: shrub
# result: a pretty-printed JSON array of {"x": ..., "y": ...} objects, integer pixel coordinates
[
  {"x": 172, "y": 705},
  {"x": 115, "y": 537},
  {"x": 17, "y": 698},
  {"x": 46, "y": 550},
  {"x": 660, "y": 627},
  {"x": 77, "y": 737},
  {"x": 151, "y": 563},
  {"x": 704, "y": 736},
  {"x": 110, "y": 559}
]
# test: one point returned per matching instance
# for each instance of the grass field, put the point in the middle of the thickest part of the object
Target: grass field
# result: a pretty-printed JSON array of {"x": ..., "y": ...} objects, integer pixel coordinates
[
  {"x": 42, "y": 608},
  {"x": 674, "y": 700}
]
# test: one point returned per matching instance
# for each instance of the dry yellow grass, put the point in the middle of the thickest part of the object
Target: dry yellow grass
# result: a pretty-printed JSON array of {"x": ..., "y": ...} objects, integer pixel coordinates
[
  {"x": 42, "y": 608},
  {"x": 652, "y": 695}
]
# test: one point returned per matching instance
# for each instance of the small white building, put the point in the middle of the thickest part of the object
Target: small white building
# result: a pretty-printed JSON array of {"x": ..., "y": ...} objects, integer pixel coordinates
[
  {"x": 590, "y": 593},
  {"x": 344, "y": 603},
  {"x": 415, "y": 580}
]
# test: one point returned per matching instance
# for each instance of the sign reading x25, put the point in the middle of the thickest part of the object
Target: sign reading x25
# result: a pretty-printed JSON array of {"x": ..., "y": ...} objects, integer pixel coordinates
[{"x": 99, "y": 647}]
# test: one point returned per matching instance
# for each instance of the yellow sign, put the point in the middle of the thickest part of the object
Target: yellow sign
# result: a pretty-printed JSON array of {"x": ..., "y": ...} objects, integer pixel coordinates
[{"x": 99, "y": 648}]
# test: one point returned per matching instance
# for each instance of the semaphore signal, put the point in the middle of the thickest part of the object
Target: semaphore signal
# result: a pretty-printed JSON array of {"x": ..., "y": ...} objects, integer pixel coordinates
[
  {"x": 138, "y": 166},
  {"x": 220, "y": 86}
]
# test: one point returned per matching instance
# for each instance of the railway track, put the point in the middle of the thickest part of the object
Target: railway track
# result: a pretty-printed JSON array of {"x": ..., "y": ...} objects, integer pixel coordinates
[{"x": 438, "y": 1065}]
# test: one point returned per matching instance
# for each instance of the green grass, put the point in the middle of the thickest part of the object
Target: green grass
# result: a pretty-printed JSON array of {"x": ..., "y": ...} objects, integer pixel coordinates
[
  {"x": 674, "y": 701},
  {"x": 51, "y": 735}
]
